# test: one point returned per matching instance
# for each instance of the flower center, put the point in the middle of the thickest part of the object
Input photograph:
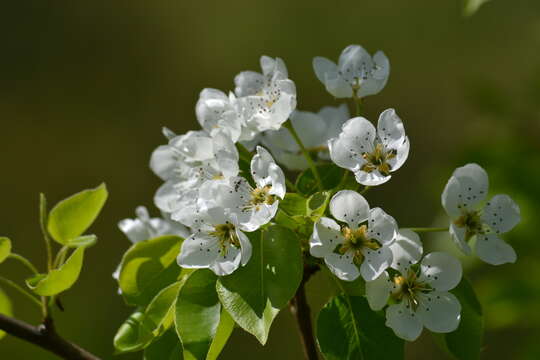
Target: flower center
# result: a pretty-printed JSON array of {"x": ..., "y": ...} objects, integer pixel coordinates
[
  {"x": 226, "y": 235},
  {"x": 356, "y": 240},
  {"x": 261, "y": 196},
  {"x": 471, "y": 221},
  {"x": 408, "y": 288},
  {"x": 378, "y": 160}
]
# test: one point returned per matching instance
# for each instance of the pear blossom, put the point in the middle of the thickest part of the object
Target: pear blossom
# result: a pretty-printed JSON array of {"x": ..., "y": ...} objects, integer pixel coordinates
[
  {"x": 265, "y": 100},
  {"x": 143, "y": 227},
  {"x": 218, "y": 112},
  {"x": 419, "y": 290},
  {"x": 466, "y": 188},
  {"x": 354, "y": 249},
  {"x": 357, "y": 74},
  {"x": 217, "y": 243},
  {"x": 314, "y": 129},
  {"x": 372, "y": 154},
  {"x": 256, "y": 206}
]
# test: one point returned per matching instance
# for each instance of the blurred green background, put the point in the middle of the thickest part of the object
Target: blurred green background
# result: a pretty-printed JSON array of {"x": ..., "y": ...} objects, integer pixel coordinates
[{"x": 85, "y": 87}]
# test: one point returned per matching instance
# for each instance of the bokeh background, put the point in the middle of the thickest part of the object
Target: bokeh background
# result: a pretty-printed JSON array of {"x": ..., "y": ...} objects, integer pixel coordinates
[{"x": 85, "y": 87}]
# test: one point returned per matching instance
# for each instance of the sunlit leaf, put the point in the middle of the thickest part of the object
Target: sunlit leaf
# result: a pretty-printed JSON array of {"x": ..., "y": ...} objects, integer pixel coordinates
[
  {"x": 5, "y": 308},
  {"x": 5, "y": 248},
  {"x": 85, "y": 241},
  {"x": 254, "y": 294},
  {"x": 58, "y": 280},
  {"x": 72, "y": 216}
]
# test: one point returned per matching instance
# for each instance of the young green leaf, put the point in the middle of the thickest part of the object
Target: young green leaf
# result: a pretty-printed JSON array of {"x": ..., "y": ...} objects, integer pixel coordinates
[
  {"x": 5, "y": 308},
  {"x": 317, "y": 203},
  {"x": 148, "y": 267},
  {"x": 84, "y": 241},
  {"x": 224, "y": 331},
  {"x": 330, "y": 176},
  {"x": 72, "y": 216},
  {"x": 5, "y": 248},
  {"x": 58, "y": 280},
  {"x": 198, "y": 314},
  {"x": 254, "y": 294},
  {"x": 465, "y": 343},
  {"x": 132, "y": 335},
  {"x": 348, "y": 329},
  {"x": 159, "y": 315},
  {"x": 293, "y": 204},
  {"x": 166, "y": 347}
]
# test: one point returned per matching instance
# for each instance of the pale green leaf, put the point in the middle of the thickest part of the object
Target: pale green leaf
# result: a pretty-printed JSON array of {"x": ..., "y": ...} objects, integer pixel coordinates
[
  {"x": 472, "y": 6},
  {"x": 132, "y": 336},
  {"x": 58, "y": 280},
  {"x": 5, "y": 308},
  {"x": 84, "y": 241},
  {"x": 254, "y": 294},
  {"x": 224, "y": 331},
  {"x": 348, "y": 329},
  {"x": 5, "y": 248},
  {"x": 73, "y": 216},
  {"x": 148, "y": 267}
]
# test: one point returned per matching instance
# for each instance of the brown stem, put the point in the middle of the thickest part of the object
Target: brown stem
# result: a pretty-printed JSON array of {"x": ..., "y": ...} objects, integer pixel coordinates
[
  {"x": 300, "y": 309},
  {"x": 46, "y": 337}
]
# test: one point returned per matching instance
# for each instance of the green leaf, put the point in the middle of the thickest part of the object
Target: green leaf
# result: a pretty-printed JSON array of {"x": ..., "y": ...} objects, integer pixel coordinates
[
  {"x": 224, "y": 331},
  {"x": 330, "y": 177},
  {"x": 471, "y": 6},
  {"x": 132, "y": 336},
  {"x": 5, "y": 308},
  {"x": 84, "y": 241},
  {"x": 5, "y": 248},
  {"x": 348, "y": 329},
  {"x": 254, "y": 294},
  {"x": 148, "y": 267},
  {"x": 166, "y": 347},
  {"x": 465, "y": 343},
  {"x": 72, "y": 216},
  {"x": 317, "y": 203},
  {"x": 58, "y": 280},
  {"x": 293, "y": 204},
  {"x": 198, "y": 314}
]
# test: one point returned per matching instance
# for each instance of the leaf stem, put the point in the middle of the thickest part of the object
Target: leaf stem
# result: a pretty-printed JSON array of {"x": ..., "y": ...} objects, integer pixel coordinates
[
  {"x": 428, "y": 229},
  {"x": 21, "y": 290},
  {"x": 357, "y": 103},
  {"x": 288, "y": 125},
  {"x": 365, "y": 190},
  {"x": 43, "y": 224},
  {"x": 24, "y": 261}
]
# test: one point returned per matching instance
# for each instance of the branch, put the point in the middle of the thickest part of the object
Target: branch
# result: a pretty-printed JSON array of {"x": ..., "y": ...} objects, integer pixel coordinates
[
  {"x": 300, "y": 309},
  {"x": 44, "y": 336}
]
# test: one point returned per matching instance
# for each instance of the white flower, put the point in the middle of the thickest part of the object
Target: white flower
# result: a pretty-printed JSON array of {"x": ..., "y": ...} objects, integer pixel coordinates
[
  {"x": 345, "y": 248},
  {"x": 265, "y": 100},
  {"x": 420, "y": 291},
  {"x": 217, "y": 243},
  {"x": 143, "y": 227},
  {"x": 356, "y": 71},
  {"x": 314, "y": 129},
  {"x": 256, "y": 206},
  {"x": 217, "y": 112},
  {"x": 371, "y": 154},
  {"x": 467, "y": 187},
  {"x": 185, "y": 168}
]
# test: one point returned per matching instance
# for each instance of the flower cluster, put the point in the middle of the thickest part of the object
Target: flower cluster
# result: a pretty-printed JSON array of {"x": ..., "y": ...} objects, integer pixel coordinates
[{"x": 212, "y": 201}]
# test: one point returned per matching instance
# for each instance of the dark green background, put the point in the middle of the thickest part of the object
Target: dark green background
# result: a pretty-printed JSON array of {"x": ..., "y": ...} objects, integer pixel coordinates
[{"x": 85, "y": 87}]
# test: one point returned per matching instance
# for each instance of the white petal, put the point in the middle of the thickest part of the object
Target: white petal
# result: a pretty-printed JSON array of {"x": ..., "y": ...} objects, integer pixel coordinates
[
  {"x": 493, "y": 250},
  {"x": 198, "y": 251},
  {"x": 350, "y": 207},
  {"x": 501, "y": 213},
  {"x": 342, "y": 266},
  {"x": 473, "y": 181},
  {"x": 326, "y": 236},
  {"x": 259, "y": 216},
  {"x": 324, "y": 68},
  {"x": 390, "y": 129},
  {"x": 451, "y": 197},
  {"x": 403, "y": 321},
  {"x": 382, "y": 226},
  {"x": 259, "y": 166},
  {"x": 334, "y": 117},
  {"x": 458, "y": 236},
  {"x": 402, "y": 150},
  {"x": 373, "y": 178},
  {"x": 341, "y": 155},
  {"x": 163, "y": 161},
  {"x": 226, "y": 265},
  {"x": 310, "y": 127},
  {"x": 440, "y": 312},
  {"x": 248, "y": 83},
  {"x": 245, "y": 246},
  {"x": 277, "y": 178},
  {"x": 361, "y": 131},
  {"x": 406, "y": 250},
  {"x": 194, "y": 145},
  {"x": 375, "y": 262},
  {"x": 135, "y": 230},
  {"x": 378, "y": 291},
  {"x": 440, "y": 270},
  {"x": 166, "y": 197}
]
